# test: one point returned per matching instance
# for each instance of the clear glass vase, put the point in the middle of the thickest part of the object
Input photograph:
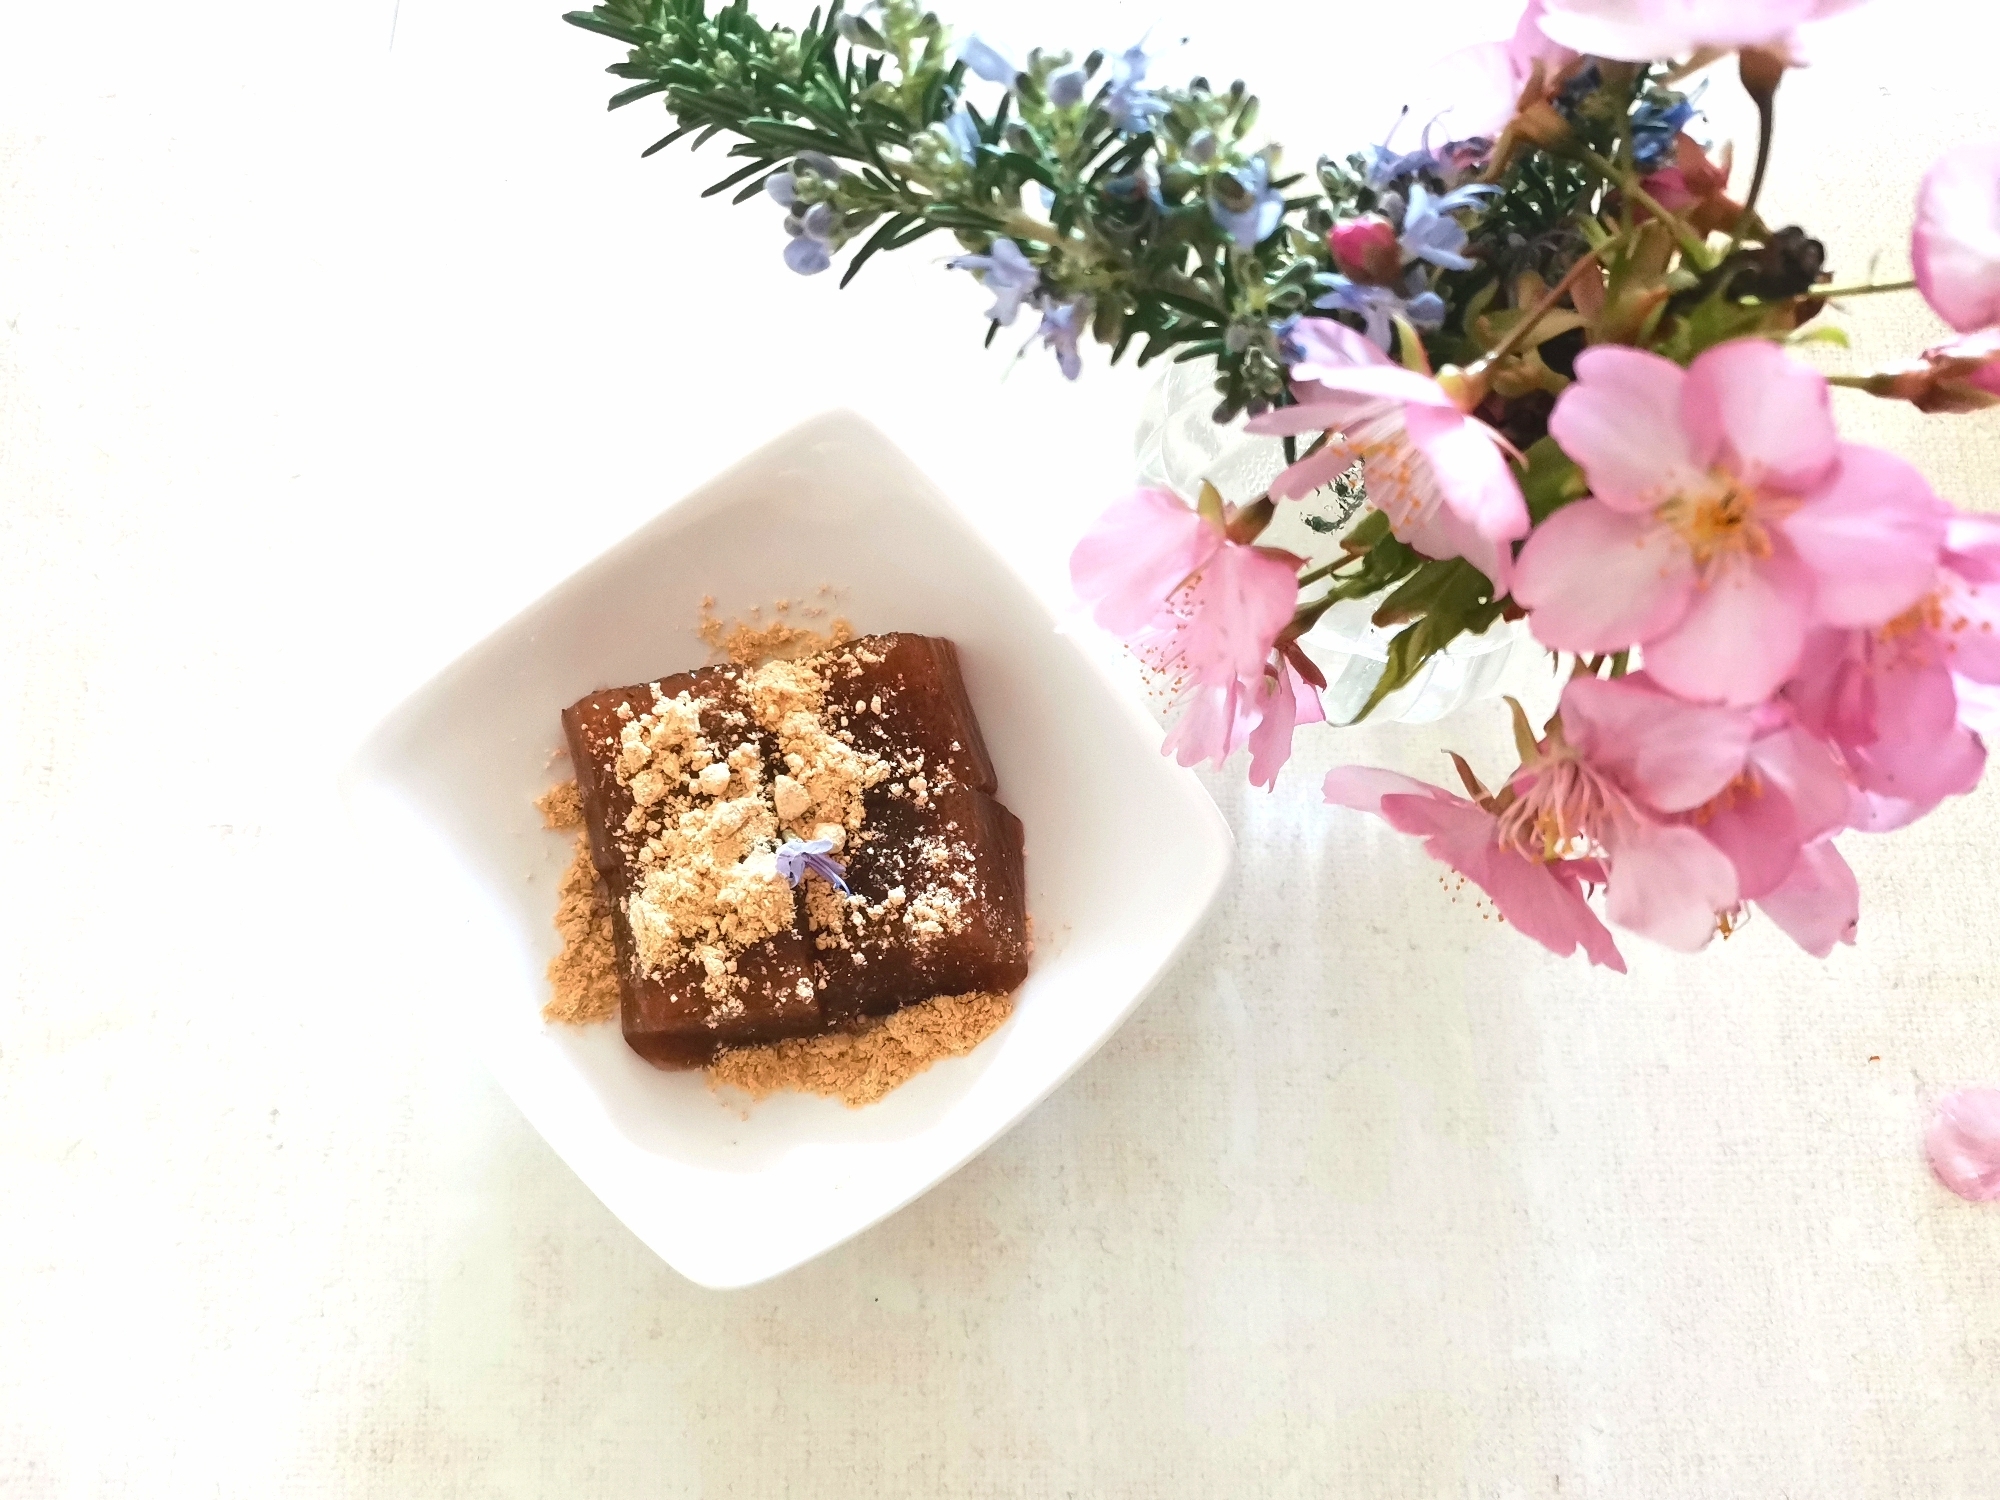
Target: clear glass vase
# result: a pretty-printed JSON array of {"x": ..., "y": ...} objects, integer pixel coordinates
[{"x": 1180, "y": 444}]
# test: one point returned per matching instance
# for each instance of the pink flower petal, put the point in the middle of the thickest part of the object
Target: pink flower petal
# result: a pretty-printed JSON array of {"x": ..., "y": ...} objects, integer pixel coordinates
[
  {"x": 1872, "y": 814},
  {"x": 1282, "y": 706},
  {"x": 1444, "y": 533},
  {"x": 1242, "y": 600},
  {"x": 1319, "y": 414},
  {"x": 1956, "y": 242},
  {"x": 1761, "y": 833},
  {"x": 1621, "y": 422},
  {"x": 1974, "y": 544},
  {"x": 1964, "y": 1144},
  {"x": 1213, "y": 725},
  {"x": 1652, "y": 30},
  {"x": 1753, "y": 409},
  {"x": 1969, "y": 632},
  {"x": 1363, "y": 788},
  {"x": 1477, "y": 481},
  {"x": 1801, "y": 766},
  {"x": 1596, "y": 579},
  {"x": 1742, "y": 636},
  {"x": 1819, "y": 906},
  {"x": 1328, "y": 344},
  {"x": 1383, "y": 382},
  {"x": 1315, "y": 471},
  {"x": 1138, "y": 552},
  {"x": 1668, "y": 884},
  {"x": 1872, "y": 536},
  {"x": 1670, "y": 754},
  {"x": 1543, "y": 901},
  {"x": 1794, "y": 794},
  {"x": 1920, "y": 752}
]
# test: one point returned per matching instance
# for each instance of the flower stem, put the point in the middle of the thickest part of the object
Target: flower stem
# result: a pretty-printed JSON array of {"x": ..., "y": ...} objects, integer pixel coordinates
[
  {"x": 1690, "y": 242},
  {"x": 1827, "y": 294},
  {"x": 1520, "y": 331}
]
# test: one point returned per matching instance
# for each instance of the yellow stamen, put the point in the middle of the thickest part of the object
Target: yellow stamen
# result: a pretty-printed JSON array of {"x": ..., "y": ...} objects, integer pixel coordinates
[{"x": 1720, "y": 519}]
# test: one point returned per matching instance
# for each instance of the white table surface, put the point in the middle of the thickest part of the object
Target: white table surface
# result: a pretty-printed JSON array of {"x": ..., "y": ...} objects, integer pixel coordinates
[{"x": 318, "y": 359}]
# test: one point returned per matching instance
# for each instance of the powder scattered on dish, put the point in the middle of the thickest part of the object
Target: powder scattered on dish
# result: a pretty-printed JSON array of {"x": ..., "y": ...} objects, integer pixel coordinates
[{"x": 793, "y": 870}]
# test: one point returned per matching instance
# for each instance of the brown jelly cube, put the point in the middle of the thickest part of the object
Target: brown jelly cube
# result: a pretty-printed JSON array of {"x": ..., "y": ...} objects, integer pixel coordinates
[
  {"x": 674, "y": 1018},
  {"x": 937, "y": 864},
  {"x": 674, "y": 1021},
  {"x": 946, "y": 908},
  {"x": 914, "y": 706}
]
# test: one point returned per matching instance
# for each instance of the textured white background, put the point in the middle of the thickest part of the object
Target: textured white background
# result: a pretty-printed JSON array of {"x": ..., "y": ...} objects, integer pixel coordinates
[{"x": 317, "y": 359}]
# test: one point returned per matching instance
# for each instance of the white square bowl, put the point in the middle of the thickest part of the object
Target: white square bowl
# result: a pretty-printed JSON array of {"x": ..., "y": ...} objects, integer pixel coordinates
[{"x": 1125, "y": 851}]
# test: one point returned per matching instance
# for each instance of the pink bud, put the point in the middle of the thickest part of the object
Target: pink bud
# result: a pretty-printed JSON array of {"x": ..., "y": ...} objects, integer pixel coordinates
[
  {"x": 1964, "y": 1143},
  {"x": 1366, "y": 249}
]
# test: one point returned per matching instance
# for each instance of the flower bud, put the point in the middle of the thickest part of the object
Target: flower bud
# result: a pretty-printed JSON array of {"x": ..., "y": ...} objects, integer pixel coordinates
[
  {"x": 1365, "y": 249},
  {"x": 821, "y": 220},
  {"x": 1066, "y": 88},
  {"x": 782, "y": 187}
]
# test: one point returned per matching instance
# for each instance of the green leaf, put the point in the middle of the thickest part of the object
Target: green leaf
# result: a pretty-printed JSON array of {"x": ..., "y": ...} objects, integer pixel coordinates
[
  {"x": 1460, "y": 603},
  {"x": 591, "y": 21},
  {"x": 737, "y": 176},
  {"x": 666, "y": 140},
  {"x": 890, "y": 228},
  {"x": 1551, "y": 481},
  {"x": 638, "y": 91}
]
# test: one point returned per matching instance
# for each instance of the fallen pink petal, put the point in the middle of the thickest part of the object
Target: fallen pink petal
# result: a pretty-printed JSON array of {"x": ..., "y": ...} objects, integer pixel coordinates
[{"x": 1963, "y": 1143}]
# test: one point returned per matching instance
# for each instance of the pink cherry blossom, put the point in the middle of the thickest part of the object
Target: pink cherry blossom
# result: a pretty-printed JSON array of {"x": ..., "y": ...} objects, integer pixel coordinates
[
  {"x": 1726, "y": 520},
  {"x": 1543, "y": 898},
  {"x": 1205, "y": 614},
  {"x": 1651, "y": 30},
  {"x": 1888, "y": 699},
  {"x": 1621, "y": 759},
  {"x": 1956, "y": 242},
  {"x": 1439, "y": 475},
  {"x": 1215, "y": 721},
  {"x": 1140, "y": 550},
  {"x": 1964, "y": 1144},
  {"x": 1220, "y": 626},
  {"x": 1791, "y": 793}
]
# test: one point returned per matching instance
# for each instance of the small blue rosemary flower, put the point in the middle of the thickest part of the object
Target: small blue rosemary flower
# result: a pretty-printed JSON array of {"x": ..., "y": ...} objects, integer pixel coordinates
[
  {"x": 1429, "y": 231},
  {"x": 1656, "y": 126},
  {"x": 1005, "y": 272},
  {"x": 799, "y": 857},
  {"x": 963, "y": 135},
  {"x": 807, "y": 255},
  {"x": 988, "y": 62},
  {"x": 1131, "y": 108},
  {"x": 1066, "y": 88},
  {"x": 1385, "y": 166},
  {"x": 858, "y": 29},
  {"x": 1379, "y": 306},
  {"x": 1063, "y": 323},
  {"x": 1245, "y": 205}
]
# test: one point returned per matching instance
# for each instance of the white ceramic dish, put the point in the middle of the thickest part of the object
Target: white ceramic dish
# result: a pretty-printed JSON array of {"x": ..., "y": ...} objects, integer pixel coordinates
[{"x": 1125, "y": 851}]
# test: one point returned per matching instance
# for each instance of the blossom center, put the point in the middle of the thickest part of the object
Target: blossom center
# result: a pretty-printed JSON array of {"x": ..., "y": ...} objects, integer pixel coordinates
[
  {"x": 1563, "y": 812},
  {"x": 1922, "y": 618},
  {"x": 1401, "y": 483},
  {"x": 1720, "y": 519}
]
